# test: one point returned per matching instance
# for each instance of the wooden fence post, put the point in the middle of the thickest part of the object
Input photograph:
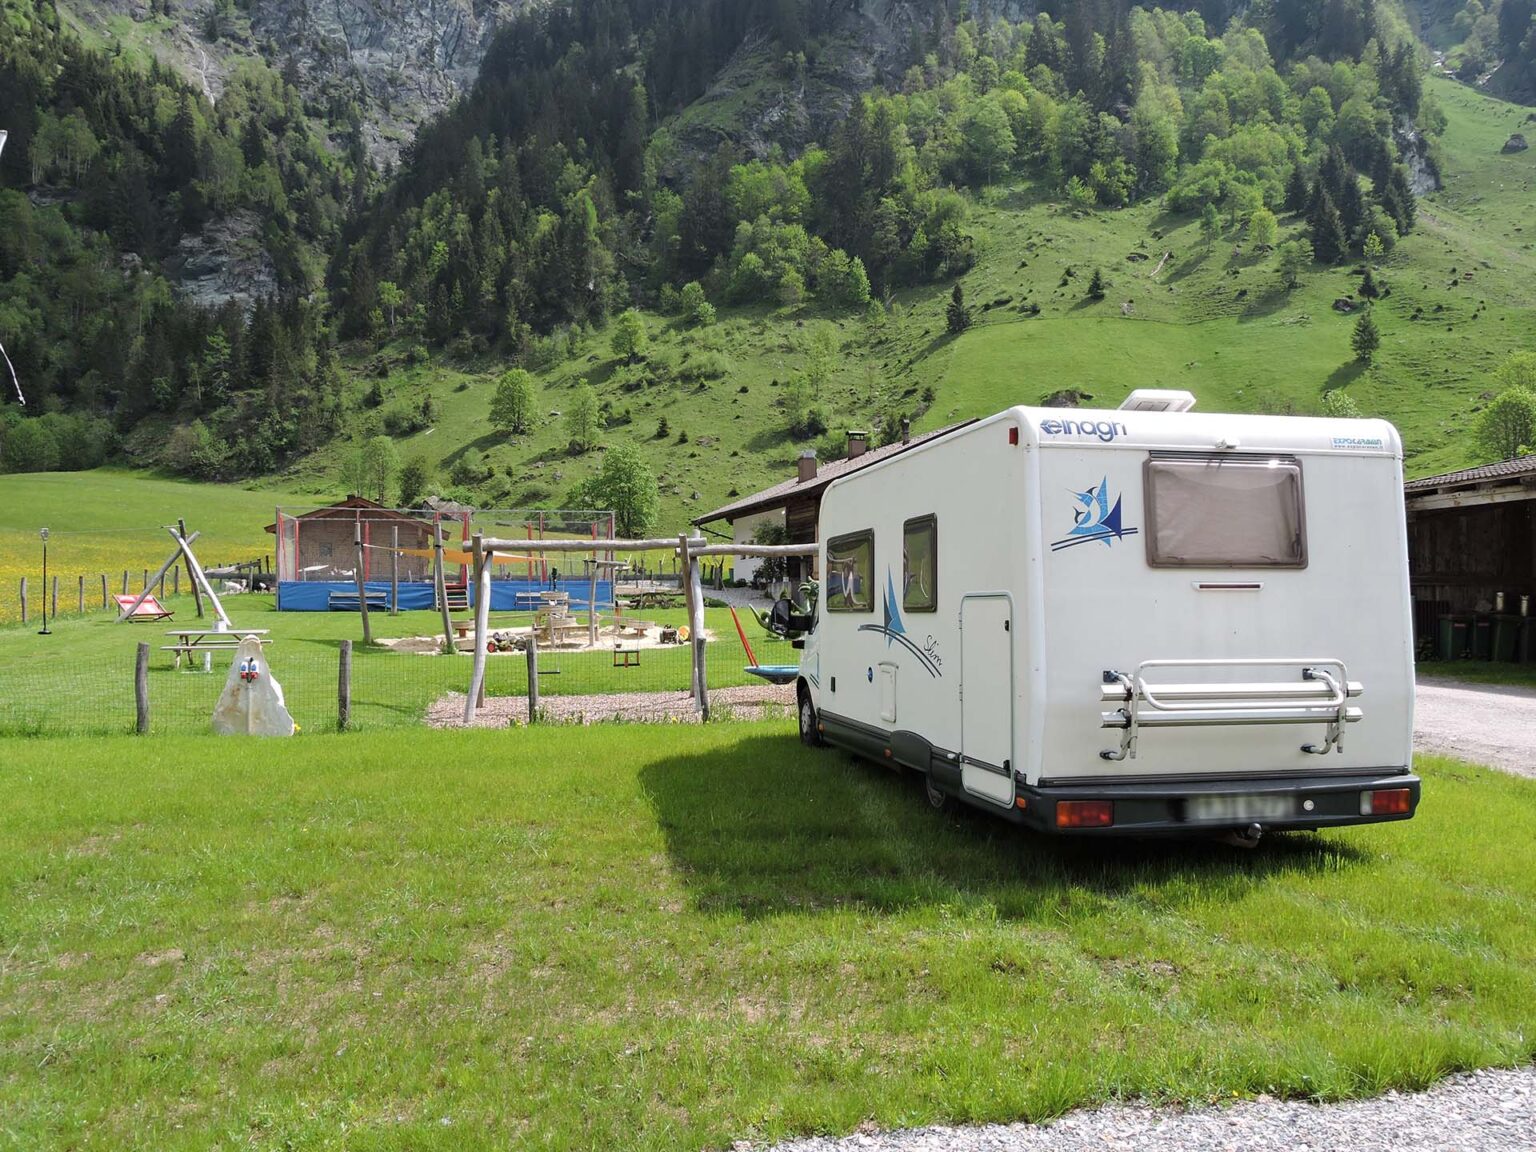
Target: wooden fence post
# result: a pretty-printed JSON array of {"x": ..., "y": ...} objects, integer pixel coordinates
[
  {"x": 141, "y": 689},
  {"x": 55, "y": 592},
  {"x": 698, "y": 661},
  {"x": 145, "y": 583},
  {"x": 23, "y": 599},
  {"x": 125, "y": 581},
  {"x": 176, "y": 580},
  {"x": 104, "y": 590},
  {"x": 344, "y": 688},
  {"x": 533, "y": 676},
  {"x": 80, "y": 608}
]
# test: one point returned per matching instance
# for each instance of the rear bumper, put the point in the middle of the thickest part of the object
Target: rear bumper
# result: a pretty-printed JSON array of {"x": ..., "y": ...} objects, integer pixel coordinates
[{"x": 1274, "y": 803}]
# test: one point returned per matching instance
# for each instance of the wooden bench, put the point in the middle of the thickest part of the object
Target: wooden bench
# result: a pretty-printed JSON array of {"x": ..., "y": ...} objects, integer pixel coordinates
[{"x": 190, "y": 650}]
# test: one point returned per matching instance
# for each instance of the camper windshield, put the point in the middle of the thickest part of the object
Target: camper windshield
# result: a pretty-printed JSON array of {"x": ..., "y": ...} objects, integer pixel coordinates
[{"x": 1225, "y": 512}]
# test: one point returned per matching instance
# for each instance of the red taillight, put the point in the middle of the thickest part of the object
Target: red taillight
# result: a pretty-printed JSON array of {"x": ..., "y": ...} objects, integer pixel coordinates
[
  {"x": 1085, "y": 813},
  {"x": 1386, "y": 802},
  {"x": 1013, "y": 435}
]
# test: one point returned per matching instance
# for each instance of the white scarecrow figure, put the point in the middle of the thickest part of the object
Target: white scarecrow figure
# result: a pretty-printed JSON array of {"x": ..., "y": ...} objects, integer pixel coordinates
[{"x": 252, "y": 701}]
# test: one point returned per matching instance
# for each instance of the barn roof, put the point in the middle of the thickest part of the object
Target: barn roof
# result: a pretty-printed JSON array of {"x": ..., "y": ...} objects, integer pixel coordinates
[
  {"x": 1514, "y": 468},
  {"x": 795, "y": 489},
  {"x": 347, "y": 509}
]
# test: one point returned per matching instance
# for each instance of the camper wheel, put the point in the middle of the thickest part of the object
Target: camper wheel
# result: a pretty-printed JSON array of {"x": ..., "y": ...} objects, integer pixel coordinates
[{"x": 810, "y": 735}]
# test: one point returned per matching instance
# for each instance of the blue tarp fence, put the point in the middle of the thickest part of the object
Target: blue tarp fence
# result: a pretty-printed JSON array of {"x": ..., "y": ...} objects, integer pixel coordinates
[{"x": 506, "y": 595}]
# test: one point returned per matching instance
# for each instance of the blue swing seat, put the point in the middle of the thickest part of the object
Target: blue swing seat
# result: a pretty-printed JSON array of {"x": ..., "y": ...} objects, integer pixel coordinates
[{"x": 775, "y": 673}]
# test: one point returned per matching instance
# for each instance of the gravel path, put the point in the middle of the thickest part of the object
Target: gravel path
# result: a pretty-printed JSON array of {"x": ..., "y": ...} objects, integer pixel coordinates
[
  {"x": 1489, "y": 1111},
  {"x": 1484, "y": 723}
]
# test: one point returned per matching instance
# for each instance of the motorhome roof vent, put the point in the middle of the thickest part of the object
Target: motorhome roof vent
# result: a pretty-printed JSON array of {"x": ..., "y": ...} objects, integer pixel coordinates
[{"x": 1159, "y": 400}]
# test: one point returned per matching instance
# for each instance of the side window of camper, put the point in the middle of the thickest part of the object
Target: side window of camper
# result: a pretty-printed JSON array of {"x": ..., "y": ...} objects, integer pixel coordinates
[
  {"x": 851, "y": 573},
  {"x": 1225, "y": 512},
  {"x": 920, "y": 564}
]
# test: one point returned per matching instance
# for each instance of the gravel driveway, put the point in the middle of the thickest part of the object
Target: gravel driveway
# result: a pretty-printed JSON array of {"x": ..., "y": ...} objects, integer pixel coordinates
[
  {"x": 1484, "y": 723},
  {"x": 1489, "y": 1111}
]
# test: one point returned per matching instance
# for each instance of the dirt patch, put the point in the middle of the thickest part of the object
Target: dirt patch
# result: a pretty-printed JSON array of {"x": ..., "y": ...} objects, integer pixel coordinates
[
  {"x": 750, "y": 702},
  {"x": 155, "y": 959}
]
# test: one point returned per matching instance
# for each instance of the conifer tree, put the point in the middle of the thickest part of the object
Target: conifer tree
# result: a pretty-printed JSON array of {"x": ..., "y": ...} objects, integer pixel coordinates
[
  {"x": 1328, "y": 242},
  {"x": 957, "y": 316},
  {"x": 1297, "y": 194},
  {"x": 1368, "y": 288},
  {"x": 1366, "y": 338},
  {"x": 1096, "y": 286}
]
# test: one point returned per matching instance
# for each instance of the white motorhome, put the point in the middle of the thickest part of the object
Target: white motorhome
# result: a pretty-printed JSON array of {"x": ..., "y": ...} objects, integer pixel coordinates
[{"x": 1130, "y": 621}]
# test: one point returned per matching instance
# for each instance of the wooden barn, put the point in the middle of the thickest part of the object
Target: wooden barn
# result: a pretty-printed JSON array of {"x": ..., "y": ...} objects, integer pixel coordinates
[
  {"x": 1472, "y": 560},
  {"x": 796, "y": 503}
]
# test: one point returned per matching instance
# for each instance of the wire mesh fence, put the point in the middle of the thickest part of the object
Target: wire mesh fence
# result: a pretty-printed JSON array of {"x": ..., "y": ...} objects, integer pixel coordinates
[{"x": 81, "y": 679}]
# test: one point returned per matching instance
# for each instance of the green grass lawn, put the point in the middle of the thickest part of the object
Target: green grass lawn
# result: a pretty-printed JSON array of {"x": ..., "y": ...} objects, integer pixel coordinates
[
  {"x": 79, "y": 680},
  {"x": 1481, "y": 671},
  {"x": 631, "y": 937}
]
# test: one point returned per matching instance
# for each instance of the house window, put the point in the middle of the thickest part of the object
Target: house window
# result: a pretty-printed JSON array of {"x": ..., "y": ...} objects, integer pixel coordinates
[
  {"x": 1225, "y": 512},
  {"x": 851, "y": 573},
  {"x": 920, "y": 564}
]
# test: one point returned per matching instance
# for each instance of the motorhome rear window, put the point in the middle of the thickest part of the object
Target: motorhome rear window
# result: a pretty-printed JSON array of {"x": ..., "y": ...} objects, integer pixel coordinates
[
  {"x": 920, "y": 564},
  {"x": 851, "y": 573},
  {"x": 1225, "y": 512}
]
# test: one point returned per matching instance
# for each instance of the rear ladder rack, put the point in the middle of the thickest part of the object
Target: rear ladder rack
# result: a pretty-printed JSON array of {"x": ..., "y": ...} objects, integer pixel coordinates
[{"x": 1320, "y": 696}]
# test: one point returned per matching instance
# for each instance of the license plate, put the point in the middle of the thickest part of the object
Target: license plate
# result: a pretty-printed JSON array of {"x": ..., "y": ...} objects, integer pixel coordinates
[{"x": 1240, "y": 808}]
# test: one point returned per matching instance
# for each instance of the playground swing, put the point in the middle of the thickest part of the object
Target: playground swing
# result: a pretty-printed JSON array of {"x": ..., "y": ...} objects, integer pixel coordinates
[{"x": 773, "y": 673}]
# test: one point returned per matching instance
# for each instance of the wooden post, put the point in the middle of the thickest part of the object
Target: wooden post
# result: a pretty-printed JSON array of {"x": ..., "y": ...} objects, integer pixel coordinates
[
  {"x": 344, "y": 688},
  {"x": 104, "y": 596},
  {"x": 476, "y": 695},
  {"x": 442, "y": 587},
  {"x": 23, "y": 599},
  {"x": 533, "y": 675},
  {"x": 146, "y": 583},
  {"x": 160, "y": 584},
  {"x": 176, "y": 580},
  {"x": 141, "y": 689},
  {"x": 55, "y": 600},
  {"x": 125, "y": 581},
  {"x": 696, "y": 629},
  {"x": 80, "y": 605},
  {"x": 592, "y": 604},
  {"x": 394, "y": 569},
  {"x": 362, "y": 591},
  {"x": 197, "y": 595},
  {"x": 698, "y": 662}
]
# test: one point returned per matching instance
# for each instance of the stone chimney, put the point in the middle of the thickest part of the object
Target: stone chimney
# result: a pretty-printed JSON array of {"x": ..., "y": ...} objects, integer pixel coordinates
[
  {"x": 857, "y": 443},
  {"x": 807, "y": 465},
  {"x": 906, "y": 430}
]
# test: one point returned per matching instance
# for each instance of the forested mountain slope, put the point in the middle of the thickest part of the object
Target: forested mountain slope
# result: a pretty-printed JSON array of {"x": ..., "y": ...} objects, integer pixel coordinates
[{"x": 716, "y": 233}]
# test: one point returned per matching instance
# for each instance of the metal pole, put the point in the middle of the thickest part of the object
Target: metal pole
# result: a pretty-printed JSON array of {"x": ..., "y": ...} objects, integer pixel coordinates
[
  {"x": 394, "y": 569},
  {"x": 344, "y": 688},
  {"x": 362, "y": 591},
  {"x": 533, "y": 675},
  {"x": 44, "y": 630}
]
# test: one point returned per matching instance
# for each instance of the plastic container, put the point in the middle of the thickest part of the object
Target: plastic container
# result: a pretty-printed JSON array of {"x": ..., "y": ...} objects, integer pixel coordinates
[
  {"x": 1482, "y": 638},
  {"x": 1506, "y": 638},
  {"x": 1455, "y": 637}
]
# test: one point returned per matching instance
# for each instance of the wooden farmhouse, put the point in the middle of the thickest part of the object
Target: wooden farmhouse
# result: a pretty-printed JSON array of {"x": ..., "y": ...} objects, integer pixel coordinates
[
  {"x": 1472, "y": 560},
  {"x": 796, "y": 502}
]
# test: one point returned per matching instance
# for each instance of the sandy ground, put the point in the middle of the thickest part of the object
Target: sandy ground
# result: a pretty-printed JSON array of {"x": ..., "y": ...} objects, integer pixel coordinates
[
  {"x": 1484, "y": 723},
  {"x": 748, "y": 703}
]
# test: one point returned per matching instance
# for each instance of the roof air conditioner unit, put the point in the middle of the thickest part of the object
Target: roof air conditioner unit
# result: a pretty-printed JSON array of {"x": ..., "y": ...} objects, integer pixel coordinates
[{"x": 1158, "y": 400}]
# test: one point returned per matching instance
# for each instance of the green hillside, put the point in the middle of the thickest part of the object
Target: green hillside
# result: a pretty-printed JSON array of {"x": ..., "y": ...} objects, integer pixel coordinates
[{"x": 1220, "y": 324}]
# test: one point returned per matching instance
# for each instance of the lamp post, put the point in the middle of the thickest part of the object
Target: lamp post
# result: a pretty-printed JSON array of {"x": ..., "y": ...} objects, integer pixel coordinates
[{"x": 43, "y": 631}]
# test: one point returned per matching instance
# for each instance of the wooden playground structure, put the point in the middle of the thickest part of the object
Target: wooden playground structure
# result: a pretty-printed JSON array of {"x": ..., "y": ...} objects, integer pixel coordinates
[{"x": 690, "y": 550}]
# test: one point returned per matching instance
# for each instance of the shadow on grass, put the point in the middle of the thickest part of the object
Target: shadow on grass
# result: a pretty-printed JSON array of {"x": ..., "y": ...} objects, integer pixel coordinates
[
  {"x": 770, "y": 827},
  {"x": 1343, "y": 376}
]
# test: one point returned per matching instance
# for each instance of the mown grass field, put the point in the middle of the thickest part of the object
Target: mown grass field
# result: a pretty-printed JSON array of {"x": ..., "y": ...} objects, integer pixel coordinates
[
  {"x": 674, "y": 938},
  {"x": 109, "y": 521},
  {"x": 79, "y": 680}
]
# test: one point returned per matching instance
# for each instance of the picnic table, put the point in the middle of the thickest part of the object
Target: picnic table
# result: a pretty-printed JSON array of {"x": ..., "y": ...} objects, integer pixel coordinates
[{"x": 208, "y": 641}]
